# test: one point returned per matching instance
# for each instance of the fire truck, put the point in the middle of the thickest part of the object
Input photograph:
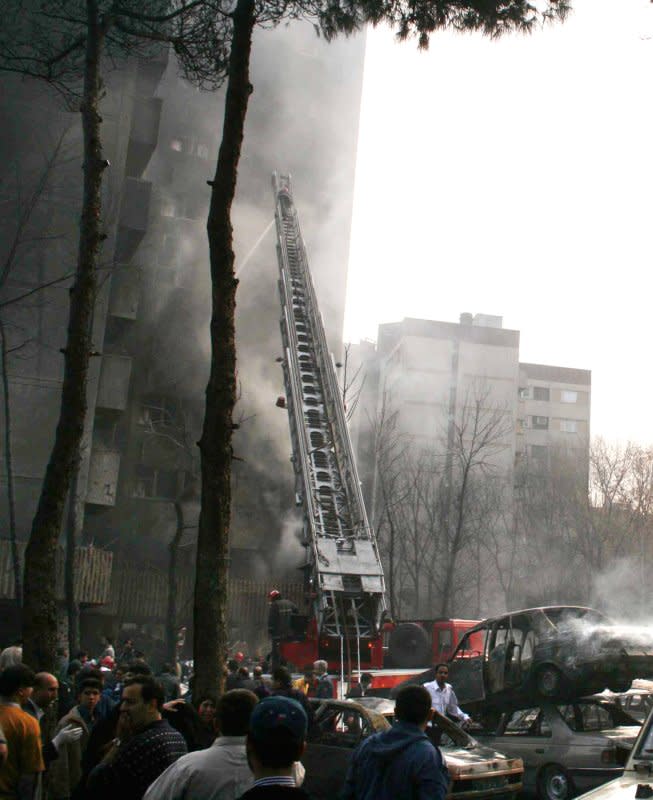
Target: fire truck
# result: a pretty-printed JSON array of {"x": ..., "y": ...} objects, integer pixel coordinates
[{"x": 346, "y": 621}]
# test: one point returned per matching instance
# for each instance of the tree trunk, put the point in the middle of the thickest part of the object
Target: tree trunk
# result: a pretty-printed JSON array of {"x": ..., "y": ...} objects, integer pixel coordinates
[
  {"x": 456, "y": 545},
  {"x": 73, "y": 527},
  {"x": 173, "y": 585},
  {"x": 9, "y": 468},
  {"x": 212, "y": 568},
  {"x": 40, "y": 606}
]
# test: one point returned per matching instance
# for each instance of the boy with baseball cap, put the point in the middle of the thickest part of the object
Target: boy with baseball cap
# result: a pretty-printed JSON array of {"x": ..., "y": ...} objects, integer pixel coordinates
[{"x": 276, "y": 739}]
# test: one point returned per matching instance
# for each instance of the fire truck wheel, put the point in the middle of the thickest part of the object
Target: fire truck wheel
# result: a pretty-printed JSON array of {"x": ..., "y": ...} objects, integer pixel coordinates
[{"x": 409, "y": 646}]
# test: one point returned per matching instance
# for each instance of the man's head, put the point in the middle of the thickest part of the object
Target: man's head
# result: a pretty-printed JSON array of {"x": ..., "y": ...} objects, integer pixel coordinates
[
  {"x": 46, "y": 689},
  {"x": 137, "y": 669},
  {"x": 320, "y": 667},
  {"x": 17, "y": 683},
  {"x": 277, "y": 736},
  {"x": 308, "y": 672},
  {"x": 281, "y": 678},
  {"x": 366, "y": 680},
  {"x": 413, "y": 705},
  {"x": 82, "y": 656},
  {"x": 142, "y": 700},
  {"x": 441, "y": 674},
  {"x": 258, "y": 671},
  {"x": 88, "y": 696},
  {"x": 243, "y": 672},
  {"x": 206, "y": 710},
  {"x": 232, "y": 665},
  {"x": 233, "y": 712}
]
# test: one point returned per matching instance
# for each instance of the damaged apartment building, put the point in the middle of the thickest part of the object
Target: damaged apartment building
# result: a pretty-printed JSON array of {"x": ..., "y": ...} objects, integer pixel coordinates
[{"x": 138, "y": 482}]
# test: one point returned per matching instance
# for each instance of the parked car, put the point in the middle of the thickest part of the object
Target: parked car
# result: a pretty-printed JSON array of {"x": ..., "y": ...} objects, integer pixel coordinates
[
  {"x": 636, "y": 780},
  {"x": 566, "y": 748},
  {"x": 554, "y": 652},
  {"x": 638, "y": 700},
  {"x": 476, "y": 770}
]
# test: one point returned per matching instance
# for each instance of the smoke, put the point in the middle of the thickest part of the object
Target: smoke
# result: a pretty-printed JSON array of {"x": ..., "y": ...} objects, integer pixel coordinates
[{"x": 623, "y": 591}]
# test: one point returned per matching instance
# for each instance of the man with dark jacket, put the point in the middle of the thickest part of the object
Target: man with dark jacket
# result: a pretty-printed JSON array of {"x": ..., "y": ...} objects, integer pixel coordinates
[
  {"x": 400, "y": 763},
  {"x": 145, "y": 747}
]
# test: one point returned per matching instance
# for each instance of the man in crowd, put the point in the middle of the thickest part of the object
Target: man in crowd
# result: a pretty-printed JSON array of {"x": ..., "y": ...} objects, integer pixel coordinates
[
  {"x": 324, "y": 688},
  {"x": 362, "y": 688},
  {"x": 170, "y": 682},
  {"x": 11, "y": 655},
  {"x": 220, "y": 772},
  {"x": 282, "y": 687},
  {"x": 307, "y": 683},
  {"x": 233, "y": 680},
  {"x": 276, "y": 740},
  {"x": 261, "y": 688},
  {"x": 20, "y": 774},
  {"x": 443, "y": 697},
  {"x": 146, "y": 745},
  {"x": 44, "y": 694},
  {"x": 66, "y": 772},
  {"x": 400, "y": 763}
]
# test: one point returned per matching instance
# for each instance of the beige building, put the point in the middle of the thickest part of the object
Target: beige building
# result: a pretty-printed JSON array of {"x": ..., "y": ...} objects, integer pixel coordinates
[{"x": 553, "y": 414}]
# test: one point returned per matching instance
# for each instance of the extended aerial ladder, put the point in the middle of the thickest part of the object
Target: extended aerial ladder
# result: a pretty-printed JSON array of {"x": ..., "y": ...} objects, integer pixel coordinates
[{"x": 344, "y": 575}]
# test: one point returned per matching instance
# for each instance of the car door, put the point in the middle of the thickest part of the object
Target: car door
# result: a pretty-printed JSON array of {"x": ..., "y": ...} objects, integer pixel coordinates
[
  {"x": 526, "y": 734},
  {"x": 332, "y": 740},
  {"x": 497, "y": 652},
  {"x": 466, "y": 668}
]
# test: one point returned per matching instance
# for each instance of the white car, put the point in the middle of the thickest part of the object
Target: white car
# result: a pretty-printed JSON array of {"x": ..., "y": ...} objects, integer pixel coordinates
[{"x": 637, "y": 778}]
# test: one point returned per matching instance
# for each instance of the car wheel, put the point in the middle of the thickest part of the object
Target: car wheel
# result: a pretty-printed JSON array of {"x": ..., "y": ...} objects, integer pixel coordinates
[
  {"x": 554, "y": 784},
  {"x": 549, "y": 681}
]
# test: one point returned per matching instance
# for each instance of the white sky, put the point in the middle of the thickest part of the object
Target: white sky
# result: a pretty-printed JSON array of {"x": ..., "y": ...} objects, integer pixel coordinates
[{"x": 515, "y": 177}]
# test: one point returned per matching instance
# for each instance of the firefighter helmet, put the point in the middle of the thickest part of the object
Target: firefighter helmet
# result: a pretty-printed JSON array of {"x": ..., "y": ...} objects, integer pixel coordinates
[{"x": 274, "y": 594}]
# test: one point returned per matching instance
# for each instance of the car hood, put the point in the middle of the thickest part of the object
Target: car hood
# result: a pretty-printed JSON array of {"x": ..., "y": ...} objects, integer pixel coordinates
[{"x": 478, "y": 759}]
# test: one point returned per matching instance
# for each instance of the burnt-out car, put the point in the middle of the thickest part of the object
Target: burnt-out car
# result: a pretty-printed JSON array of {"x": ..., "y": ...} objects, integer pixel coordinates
[
  {"x": 554, "y": 652},
  {"x": 475, "y": 770}
]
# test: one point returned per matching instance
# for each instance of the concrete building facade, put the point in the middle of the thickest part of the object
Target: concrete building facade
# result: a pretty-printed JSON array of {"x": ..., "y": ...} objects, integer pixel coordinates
[{"x": 138, "y": 482}]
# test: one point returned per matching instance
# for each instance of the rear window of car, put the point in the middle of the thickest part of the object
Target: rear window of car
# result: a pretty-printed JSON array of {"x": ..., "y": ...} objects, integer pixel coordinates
[
  {"x": 527, "y": 722},
  {"x": 588, "y": 717}
]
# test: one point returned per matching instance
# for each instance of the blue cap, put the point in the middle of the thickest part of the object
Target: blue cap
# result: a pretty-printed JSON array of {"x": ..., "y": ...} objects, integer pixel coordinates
[{"x": 276, "y": 712}]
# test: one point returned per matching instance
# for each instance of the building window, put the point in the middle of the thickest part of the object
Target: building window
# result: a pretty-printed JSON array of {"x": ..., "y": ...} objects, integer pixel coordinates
[
  {"x": 567, "y": 396},
  {"x": 569, "y": 425},
  {"x": 158, "y": 484},
  {"x": 538, "y": 452},
  {"x": 158, "y": 411},
  {"x": 524, "y": 392},
  {"x": 541, "y": 393},
  {"x": 203, "y": 151},
  {"x": 540, "y": 423},
  {"x": 177, "y": 145}
]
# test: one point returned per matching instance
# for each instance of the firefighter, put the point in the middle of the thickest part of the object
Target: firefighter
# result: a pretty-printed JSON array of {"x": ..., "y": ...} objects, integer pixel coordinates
[{"x": 279, "y": 622}]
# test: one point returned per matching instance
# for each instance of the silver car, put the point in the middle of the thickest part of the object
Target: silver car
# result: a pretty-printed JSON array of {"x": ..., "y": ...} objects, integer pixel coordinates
[{"x": 567, "y": 748}]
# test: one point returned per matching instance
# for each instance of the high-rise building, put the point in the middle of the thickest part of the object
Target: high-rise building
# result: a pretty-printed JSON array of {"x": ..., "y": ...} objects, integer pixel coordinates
[{"x": 137, "y": 486}]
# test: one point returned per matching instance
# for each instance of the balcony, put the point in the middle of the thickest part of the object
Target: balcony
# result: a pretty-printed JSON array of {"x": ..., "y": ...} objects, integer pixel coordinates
[
  {"x": 113, "y": 390},
  {"x": 93, "y": 568},
  {"x": 151, "y": 69},
  {"x": 134, "y": 217},
  {"x": 144, "y": 134},
  {"x": 125, "y": 292},
  {"x": 103, "y": 477}
]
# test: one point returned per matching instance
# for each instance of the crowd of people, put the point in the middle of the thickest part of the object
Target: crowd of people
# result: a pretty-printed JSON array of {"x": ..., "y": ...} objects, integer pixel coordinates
[{"x": 110, "y": 729}]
